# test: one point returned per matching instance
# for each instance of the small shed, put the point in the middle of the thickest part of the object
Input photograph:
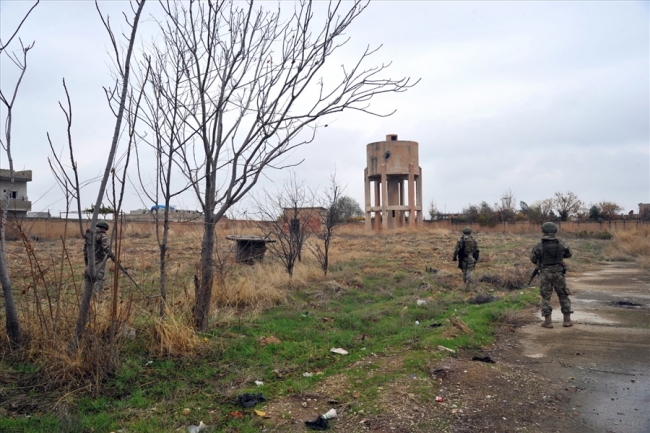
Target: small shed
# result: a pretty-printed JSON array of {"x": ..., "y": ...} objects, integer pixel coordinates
[{"x": 250, "y": 249}]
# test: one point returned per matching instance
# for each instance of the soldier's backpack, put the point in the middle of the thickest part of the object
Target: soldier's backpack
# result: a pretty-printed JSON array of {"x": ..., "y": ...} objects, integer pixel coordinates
[
  {"x": 551, "y": 252},
  {"x": 470, "y": 245}
]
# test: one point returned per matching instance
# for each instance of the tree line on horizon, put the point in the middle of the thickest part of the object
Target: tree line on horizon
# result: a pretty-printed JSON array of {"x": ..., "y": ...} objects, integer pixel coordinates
[{"x": 563, "y": 206}]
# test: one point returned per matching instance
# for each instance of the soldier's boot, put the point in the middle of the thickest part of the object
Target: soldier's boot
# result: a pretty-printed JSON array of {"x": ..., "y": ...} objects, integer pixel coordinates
[
  {"x": 567, "y": 320},
  {"x": 547, "y": 322}
]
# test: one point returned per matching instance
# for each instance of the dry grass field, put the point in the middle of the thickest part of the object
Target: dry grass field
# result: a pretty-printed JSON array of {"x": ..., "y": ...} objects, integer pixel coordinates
[{"x": 158, "y": 366}]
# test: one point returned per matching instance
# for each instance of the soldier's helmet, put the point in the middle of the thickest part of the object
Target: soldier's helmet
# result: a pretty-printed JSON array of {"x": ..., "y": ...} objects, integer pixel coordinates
[
  {"x": 467, "y": 231},
  {"x": 549, "y": 227},
  {"x": 102, "y": 225}
]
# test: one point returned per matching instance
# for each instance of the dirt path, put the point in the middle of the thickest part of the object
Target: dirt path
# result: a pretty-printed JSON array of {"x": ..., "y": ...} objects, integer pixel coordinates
[{"x": 597, "y": 372}]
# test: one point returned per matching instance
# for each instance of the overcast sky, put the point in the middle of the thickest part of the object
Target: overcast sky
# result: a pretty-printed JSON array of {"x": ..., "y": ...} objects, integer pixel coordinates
[{"x": 535, "y": 97}]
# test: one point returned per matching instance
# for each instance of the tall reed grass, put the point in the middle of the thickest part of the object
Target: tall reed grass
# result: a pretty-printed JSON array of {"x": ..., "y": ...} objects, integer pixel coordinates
[{"x": 632, "y": 243}]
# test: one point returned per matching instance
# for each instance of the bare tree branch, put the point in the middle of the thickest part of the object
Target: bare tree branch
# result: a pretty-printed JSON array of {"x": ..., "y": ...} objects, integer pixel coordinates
[
  {"x": 5, "y": 45},
  {"x": 253, "y": 88}
]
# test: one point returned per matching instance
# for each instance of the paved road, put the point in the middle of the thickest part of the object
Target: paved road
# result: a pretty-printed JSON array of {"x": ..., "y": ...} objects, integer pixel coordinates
[{"x": 603, "y": 361}]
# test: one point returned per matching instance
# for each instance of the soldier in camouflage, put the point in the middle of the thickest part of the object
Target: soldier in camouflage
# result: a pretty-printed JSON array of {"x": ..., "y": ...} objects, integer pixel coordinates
[
  {"x": 548, "y": 256},
  {"x": 102, "y": 253},
  {"x": 466, "y": 253}
]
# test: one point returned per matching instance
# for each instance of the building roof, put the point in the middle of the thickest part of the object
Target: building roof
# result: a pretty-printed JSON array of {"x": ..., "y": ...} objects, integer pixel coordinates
[{"x": 21, "y": 176}]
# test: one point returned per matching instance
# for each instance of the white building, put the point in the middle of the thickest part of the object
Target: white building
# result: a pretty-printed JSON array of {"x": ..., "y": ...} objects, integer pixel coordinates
[{"x": 19, "y": 203}]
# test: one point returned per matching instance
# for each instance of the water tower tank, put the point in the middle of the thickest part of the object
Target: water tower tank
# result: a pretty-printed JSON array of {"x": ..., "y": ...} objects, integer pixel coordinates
[{"x": 393, "y": 183}]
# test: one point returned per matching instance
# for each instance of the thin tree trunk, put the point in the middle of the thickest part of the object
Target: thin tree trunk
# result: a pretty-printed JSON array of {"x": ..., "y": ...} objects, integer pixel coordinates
[
  {"x": 204, "y": 294},
  {"x": 163, "y": 260},
  {"x": 13, "y": 324},
  {"x": 91, "y": 272}
]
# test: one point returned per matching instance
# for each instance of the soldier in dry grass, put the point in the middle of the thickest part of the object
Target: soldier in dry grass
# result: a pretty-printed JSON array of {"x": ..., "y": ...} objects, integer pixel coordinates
[
  {"x": 466, "y": 253},
  {"x": 549, "y": 255},
  {"x": 102, "y": 254}
]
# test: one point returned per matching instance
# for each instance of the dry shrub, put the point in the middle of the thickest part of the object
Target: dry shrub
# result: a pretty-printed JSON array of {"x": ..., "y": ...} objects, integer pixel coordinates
[
  {"x": 481, "y": 298},
  {"x": 458, "y": 323},
  {"x": 138, "y": 232},
  {"x": 584, "y": 234},
  {"x": 514, "y": 278},
  {"x": 445, "y": 279},
  {"x": 62, "y": 366},
  {"x": 632, "y": 243},
  {"x": 173, "y": 335},
  {"x": 456, "y": 329},
  {"x": 351, "y": 248},
  {"x": 514, "y": 318},
  {"x": 262, "y": 284},
  {"x": 357, "y": 230}
]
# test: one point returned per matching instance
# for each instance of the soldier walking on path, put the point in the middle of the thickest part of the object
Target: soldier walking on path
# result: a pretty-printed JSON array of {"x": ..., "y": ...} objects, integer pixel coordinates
[
  {"x": 102, "y": 253},
  {"x": 548, "y": 256},
  {"x": 466, "y": 253}
]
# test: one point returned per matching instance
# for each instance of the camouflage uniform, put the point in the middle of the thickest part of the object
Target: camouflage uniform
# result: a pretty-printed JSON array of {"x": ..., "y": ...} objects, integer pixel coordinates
[
  {"x": 548, "y": 255},
  {"x": 469, "y": 246},
  {"x": 102, "y": 253}
]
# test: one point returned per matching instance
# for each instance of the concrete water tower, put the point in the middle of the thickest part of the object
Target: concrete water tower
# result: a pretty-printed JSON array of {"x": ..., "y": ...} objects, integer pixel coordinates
[{"x": 393, "y": 180}]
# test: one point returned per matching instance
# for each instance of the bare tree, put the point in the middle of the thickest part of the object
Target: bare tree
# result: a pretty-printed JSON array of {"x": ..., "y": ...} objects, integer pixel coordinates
[
  {"x": 332, "y": 217},
  {"x": 609, "y": 210},
  {"x": 118, "y": 97},
  {"x": 287, "y": 216},
  {"x": 506, "y": 206},
  {"x": 434, "y": 213},
  {"x": 471, "y": 213},
  {"x": 163, "y": 116},
  {"x": 14, "y": 331},
  {"x": 566, "y": 204},
  {"x": 254, "y": 89},
  {"x": 4, "y": 45},
  {"x": 541, "y": 210}
]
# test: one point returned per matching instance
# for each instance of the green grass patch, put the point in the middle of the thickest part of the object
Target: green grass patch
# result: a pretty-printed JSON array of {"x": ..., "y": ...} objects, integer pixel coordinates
[{"x": 379, "y": 317}]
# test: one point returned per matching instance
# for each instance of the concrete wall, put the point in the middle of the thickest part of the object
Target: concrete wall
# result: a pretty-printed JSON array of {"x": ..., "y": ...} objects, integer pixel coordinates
[
  {"x": 528, "y": 227},
  {"x": 19, "y": 186},
  {"x": 54, "y": 228}
]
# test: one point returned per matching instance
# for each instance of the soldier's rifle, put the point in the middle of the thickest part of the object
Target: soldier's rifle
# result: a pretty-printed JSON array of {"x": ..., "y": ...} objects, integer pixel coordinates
[
  {"x": 536, "y": 272},
  {"x": 124, "y": 271},
  {"x": 461, "y": 254},
  {"x": 127, "y": 275},
  {"x": 532, "y": 277}
]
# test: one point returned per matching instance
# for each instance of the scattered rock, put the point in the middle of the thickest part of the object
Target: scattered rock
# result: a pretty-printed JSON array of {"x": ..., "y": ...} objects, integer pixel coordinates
[{"x": 484, "y": 359}]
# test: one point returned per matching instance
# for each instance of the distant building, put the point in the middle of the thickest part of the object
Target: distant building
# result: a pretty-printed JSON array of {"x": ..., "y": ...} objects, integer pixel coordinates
[
  {"x": 158, "y": 211},
  {"x": 310, "y": 217},
  {"x": 644, "y": 211},
  {"x": 44, "y": 214},
  {"x": 19, "y": 203}
]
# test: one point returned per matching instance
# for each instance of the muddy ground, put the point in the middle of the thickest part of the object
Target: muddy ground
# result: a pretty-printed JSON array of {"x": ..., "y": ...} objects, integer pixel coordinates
[
  {"x": 602, "y": 364},
  {"x": 592, "y": 377}
]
